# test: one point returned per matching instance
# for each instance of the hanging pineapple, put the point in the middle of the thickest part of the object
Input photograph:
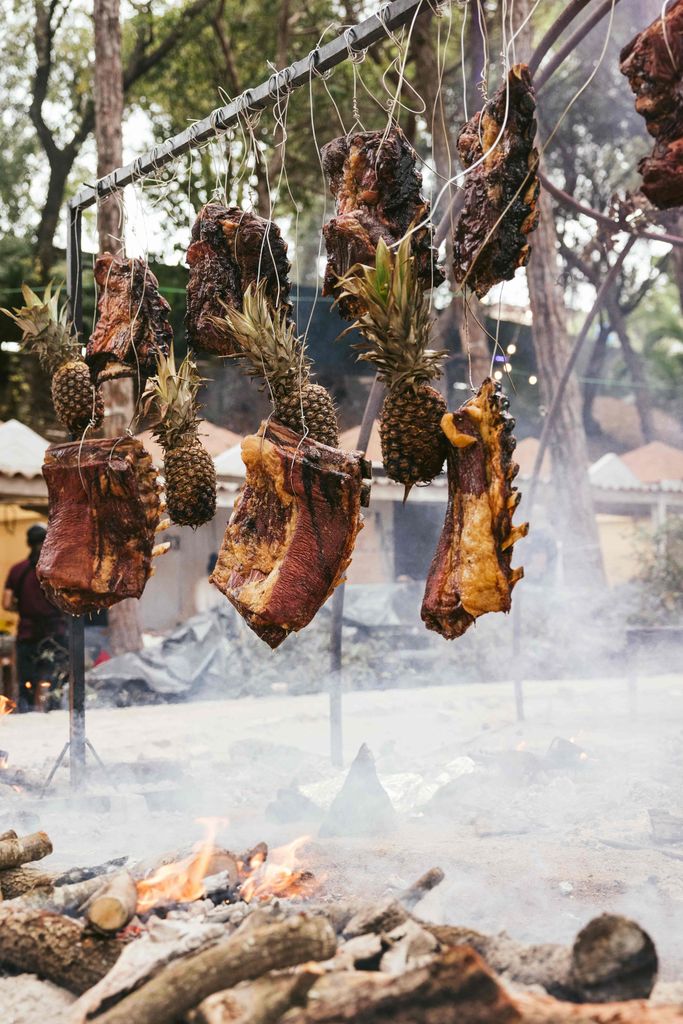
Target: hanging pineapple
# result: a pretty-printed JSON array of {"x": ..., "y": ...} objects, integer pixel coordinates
[
  {"x": 396, "y": 328},
  {"x": 188, "y": 468},
  {"x": 268, "y": 343},
  {"x": 45, "y": 330}
]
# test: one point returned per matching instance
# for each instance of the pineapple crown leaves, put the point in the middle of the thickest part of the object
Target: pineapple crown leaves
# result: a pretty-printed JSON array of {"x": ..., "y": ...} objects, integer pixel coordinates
[
  {"x": 172, "y": 393},
  {"x": 396, "y": 325},
  {"x": 267, "y": 339},
  {"x": 45, "y": 328}
]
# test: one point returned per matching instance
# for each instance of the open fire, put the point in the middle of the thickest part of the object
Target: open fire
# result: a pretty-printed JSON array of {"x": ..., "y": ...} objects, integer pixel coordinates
[{"x": 254, "y": 876}]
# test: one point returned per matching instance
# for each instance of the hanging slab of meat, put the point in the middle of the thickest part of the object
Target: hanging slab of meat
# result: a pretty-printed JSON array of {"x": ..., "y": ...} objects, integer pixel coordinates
[
  {"x": 653, "y": 64},
  {"x": 230, "y": 250},
  {"x": 471, "y": 573},
  {"x": 376, "y": 186},
  {"x": 104, "y": 508},
  {"x": 132, "y": 326},
  {"x": 292, "y": 531},
  {"x": 501, "y": 194}
]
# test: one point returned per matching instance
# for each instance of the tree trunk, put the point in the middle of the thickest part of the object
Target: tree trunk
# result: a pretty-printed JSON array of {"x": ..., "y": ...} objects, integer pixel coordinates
[
  {"x": 108, "y": 89},
  {"x": 60, "y": 167},
  {"x": 573, "y": 513},
  {"x": 591, "y": 387},
  {"x": 634, "y": 365},
  {"x": 473, "y": 340}
]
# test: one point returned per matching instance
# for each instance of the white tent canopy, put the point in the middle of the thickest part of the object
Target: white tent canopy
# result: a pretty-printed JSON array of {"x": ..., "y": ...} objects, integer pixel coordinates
[{"x": 22, "y": 453}]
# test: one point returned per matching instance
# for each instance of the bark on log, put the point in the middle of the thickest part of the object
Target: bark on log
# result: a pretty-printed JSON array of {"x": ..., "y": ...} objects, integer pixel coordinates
[
  {"x": 185, "y": 983},
  {"x": 16, "y": 882},
  {"x": 411, "y": 896},
  {"x": 113, "y": 905},
  {"x": 455, "y": 988},
  {"x": 61, "y": 899},
  {"x": 15, "y": 852},
  {"x": 10, "y": 834},
  {"x": 55, "y": 948},
  {"x": 544, "y": 1010},
  {"x": 261, "y": 1002}
]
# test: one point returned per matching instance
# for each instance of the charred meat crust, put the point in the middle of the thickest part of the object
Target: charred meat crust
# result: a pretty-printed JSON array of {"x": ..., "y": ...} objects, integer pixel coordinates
[
  {"x": 471, "y": 572},
  {"x": 104, "y": 510},
  {"x": 292, "y": 531},
  {"x": 376, "y": 186},
  {"x": 231, "y": 249},
  {"x": 501, "y": 193},
  {"x": 132, "y": 327},
  {"x": 653, "y": 64}
]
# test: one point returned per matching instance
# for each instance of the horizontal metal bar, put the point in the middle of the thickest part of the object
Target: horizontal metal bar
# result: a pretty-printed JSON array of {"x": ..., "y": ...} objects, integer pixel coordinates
[{"x": 354, "y": 39}]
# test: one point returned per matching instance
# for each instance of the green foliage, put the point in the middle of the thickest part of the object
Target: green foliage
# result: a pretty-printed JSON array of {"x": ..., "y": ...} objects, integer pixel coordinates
[{"x": 662, "y": 577}]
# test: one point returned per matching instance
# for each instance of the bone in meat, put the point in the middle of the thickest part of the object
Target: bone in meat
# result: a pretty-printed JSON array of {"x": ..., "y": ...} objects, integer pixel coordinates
[
  {"x": 103, "y": 510},
  {"x": 653, "y": 64},
  {"x": 132, "y": 327},
  {"x": 470, "y": 573},
  {"x": 230, "y": 250},
  {"x": 501, "y": 192},
  {"x": 292, "y": 531},
  {"x": 377, "y": 190}
]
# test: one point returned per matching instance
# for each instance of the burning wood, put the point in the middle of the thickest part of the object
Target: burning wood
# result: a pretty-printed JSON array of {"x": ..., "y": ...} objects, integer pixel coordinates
[{"x": 113, "y": 905}]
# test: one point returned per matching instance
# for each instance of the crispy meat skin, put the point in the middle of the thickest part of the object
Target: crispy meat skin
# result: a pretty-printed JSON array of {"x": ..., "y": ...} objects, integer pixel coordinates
[
  {"x": 292, "y": 531},
  {"x": 377, "y": 191},
  {"x": 506, "y": 177},
  {"x": 657, "y": 82},
  {"x": 229, "y": 247},
  {"x": 104, "y": 510},
  {"x": 470, "y": 573},
  {"x": 132, "y": 326}
]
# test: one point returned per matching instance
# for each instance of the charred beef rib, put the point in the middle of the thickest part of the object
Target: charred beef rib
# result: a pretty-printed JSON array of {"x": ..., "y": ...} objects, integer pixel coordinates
[
  {"x": 104, "y": 510},
  {"x": 292, "y": 531},
  {"x": 471, "y": 573},
  {"x": 132, "y": 326},
  {"x": 377, "y": 190},
  {"x": 501, "y": 193},
  {"x": 230, "y": 250},
  {"x": 653, "y": 64}
]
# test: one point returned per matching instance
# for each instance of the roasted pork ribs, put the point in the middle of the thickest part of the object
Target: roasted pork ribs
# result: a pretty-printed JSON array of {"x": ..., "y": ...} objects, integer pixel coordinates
[
  {"x": 653, "y": 64},
  {"x": 292, "y": 531},
  {"x": 376, "y": 186},
  {"x": 501, "y": 192},
  {"x": 470, "y": 573},
  {"x": 230, "y": 250},
  {"x": 132, "y": 326},
  {"x": 104, "y": 509}
]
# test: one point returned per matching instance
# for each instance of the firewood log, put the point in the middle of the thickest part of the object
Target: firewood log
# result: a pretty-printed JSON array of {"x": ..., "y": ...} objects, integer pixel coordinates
[
  {"x": 455, "y": 988},
  {"x": 10, "y": 834},
  {"x": 14, "y": 851},
  {"x": 60, "y": 899},
  {"x": 259, "y": 1002},
  {"x": 244, "y": 956},
  {"x": 411, "y": 896},
  {"x": 544, "y": 1010},
  {"x": 113, "y": 905},
  {"x": 54, "y": 947},
  {"x": 19, "y": 881}
]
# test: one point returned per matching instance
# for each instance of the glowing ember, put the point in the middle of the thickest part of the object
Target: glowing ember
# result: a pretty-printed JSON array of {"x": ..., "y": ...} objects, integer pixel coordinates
[
  {"x": 182, "y": 881},
  {"x": 279, "y": 875},
  {"x": 7, "y": 706}
]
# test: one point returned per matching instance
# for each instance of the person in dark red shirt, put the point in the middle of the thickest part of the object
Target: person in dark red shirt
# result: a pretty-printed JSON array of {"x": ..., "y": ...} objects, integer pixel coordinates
[{"x": 39, "y": 620}]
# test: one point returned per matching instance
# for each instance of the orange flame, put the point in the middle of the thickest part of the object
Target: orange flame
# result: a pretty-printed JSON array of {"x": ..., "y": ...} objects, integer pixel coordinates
[
  {"x": 182, "y": 881},
  {"x": 7, "y": 706},
  {"x": 279, "y": 875}
]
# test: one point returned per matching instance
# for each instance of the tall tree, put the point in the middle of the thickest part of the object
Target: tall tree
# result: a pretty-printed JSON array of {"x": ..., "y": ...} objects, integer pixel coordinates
[
  {"x": 62, "y": 142},
  {"x": 553, "y": 343},
  {"x": 108, "y": 91}
]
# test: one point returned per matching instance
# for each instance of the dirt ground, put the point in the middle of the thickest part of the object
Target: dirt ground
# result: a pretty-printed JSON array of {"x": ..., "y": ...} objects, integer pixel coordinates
[{"x": 532, "y": 842}]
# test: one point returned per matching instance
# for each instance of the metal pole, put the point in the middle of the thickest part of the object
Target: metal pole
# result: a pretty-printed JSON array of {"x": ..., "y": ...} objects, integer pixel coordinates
[
  {"x": 372, "y": 407},
  {"x": 77, "y": 739}
]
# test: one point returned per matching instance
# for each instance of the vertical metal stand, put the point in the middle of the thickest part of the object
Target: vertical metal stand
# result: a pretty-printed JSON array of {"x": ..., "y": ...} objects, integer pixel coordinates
[
  {"x": 372, "y": 407},
  {"x": 77, "y": 740}
]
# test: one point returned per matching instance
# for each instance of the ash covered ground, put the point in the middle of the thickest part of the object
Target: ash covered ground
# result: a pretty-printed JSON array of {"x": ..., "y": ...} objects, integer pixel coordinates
[{"x": 534, "y": 836}]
